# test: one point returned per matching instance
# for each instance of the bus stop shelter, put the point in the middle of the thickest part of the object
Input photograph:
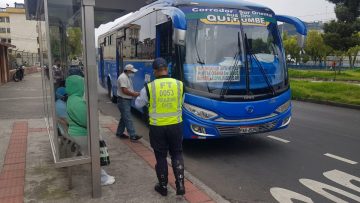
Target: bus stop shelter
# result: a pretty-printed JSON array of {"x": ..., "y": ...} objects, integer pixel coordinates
[{"x": 66, "y": 31}]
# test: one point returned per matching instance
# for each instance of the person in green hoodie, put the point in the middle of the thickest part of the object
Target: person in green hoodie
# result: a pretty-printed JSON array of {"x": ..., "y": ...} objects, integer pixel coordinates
[
  {"x": 77, "y": 110},
  {"x": 77, "y": 118}
]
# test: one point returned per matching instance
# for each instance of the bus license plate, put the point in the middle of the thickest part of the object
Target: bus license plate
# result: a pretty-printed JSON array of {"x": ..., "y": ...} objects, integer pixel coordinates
[{"x": 246, "y": 130}]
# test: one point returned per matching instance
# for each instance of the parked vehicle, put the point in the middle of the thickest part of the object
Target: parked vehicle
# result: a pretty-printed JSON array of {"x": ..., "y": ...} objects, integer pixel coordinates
[
  {"x": 229, "y": 55},
  {"x": 19, "y": 73}
]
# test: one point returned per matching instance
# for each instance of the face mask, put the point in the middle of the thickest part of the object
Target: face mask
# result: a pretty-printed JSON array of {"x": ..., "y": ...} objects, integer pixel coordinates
[{"x": 131, "y": 75}]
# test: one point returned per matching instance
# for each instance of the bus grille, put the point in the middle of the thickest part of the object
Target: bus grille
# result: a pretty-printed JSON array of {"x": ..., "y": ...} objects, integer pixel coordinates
[{"x": 236, "y": 130}]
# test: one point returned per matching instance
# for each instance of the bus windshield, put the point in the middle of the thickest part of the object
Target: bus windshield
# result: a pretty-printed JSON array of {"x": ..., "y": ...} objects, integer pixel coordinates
[{"x": 222, "y": 54}]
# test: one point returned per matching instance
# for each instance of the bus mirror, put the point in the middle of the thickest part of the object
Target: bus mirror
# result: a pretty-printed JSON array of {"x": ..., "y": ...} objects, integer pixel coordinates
[
  {"x": 301, "y": 41},
  {"x": 179, "y": 36}
]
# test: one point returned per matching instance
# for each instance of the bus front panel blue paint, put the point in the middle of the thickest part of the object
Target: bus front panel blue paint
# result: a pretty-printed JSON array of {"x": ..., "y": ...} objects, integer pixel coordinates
[{"x": 233, "y": 115}]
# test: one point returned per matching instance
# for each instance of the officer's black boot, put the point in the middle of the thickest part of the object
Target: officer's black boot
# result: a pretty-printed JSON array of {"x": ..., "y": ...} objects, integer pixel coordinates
[
  {"x": 178, "y": 168},
  {"x": 161, "y": 186}
]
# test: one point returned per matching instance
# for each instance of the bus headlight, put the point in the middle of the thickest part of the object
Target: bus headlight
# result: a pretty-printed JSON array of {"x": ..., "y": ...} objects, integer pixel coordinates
[
  {"x": 283, "y": 107},
  {"x": 199, "y": 112}
]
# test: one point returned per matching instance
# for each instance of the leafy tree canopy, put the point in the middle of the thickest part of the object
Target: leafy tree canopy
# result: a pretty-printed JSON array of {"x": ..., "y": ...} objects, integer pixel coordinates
[
  {"x": 347, "y": 10},
  {"x": 343, "y": 35}
]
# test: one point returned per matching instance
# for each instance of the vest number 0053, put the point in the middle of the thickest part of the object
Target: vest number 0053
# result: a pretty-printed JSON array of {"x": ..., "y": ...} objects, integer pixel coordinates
[{"x": 166, "y": 93}]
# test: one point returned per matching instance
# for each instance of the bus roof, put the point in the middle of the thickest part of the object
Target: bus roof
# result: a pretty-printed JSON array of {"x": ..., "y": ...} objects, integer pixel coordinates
[{"x": 175, "y": 3}]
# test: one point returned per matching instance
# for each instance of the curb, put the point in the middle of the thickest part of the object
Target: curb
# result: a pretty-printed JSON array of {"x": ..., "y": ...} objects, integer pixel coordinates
[
  {"x": 197, "y": 192},
  {"x": 327, "y": 80},
  {"x": 329, "y": 103},
  {"x": 214, "y": 196}
]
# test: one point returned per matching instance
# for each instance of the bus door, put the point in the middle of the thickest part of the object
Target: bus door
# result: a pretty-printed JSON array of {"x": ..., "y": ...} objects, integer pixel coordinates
[
  {"x": 164, "y": 45},
  {"x": 119, "y": 56},
  {"x": 101, "y": 64}
]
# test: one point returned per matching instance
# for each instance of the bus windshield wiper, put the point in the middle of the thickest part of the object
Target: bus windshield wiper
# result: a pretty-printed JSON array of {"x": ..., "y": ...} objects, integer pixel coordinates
[
  {"x": 199, "y": 60},
  {"x": 253, "y": 56},
  {"x": 226, "y": 87}
]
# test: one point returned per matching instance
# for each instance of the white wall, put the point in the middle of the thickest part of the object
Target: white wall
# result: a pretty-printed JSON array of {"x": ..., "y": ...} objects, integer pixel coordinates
[{"x": 23, "y": 33}]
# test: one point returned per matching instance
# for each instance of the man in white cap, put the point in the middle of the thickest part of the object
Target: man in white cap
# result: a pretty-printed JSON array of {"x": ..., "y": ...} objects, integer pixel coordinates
[{"x": 125, "y": 94}]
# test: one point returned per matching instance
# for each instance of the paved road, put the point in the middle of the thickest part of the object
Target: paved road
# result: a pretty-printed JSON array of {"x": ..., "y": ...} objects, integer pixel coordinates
[
  {"x": 18, "y": 96},
  {"x": 245, "y": 169}
]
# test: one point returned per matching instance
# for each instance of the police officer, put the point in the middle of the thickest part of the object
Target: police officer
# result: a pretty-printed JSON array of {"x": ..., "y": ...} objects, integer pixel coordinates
[{"x": 164, "y": 97}]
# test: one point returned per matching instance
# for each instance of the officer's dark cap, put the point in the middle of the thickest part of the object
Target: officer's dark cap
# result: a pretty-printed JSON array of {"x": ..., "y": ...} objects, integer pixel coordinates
[{"x": 159, "y": 63}]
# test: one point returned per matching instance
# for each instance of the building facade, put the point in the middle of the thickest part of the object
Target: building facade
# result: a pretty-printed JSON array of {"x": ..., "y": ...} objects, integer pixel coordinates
[
  {"x": 4, "y": 26},
  {"x": 15, "y": 29}
]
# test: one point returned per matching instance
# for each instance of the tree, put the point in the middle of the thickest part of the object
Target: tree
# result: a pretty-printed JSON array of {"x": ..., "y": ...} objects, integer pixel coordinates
[
  {"x": 315, "y": 47},
  {"x": 346, "y": 10},
  {"x": 305, "y": 58},
  {"x": 352, "y": 54},
  {"x": 342, "y": 35},
  {"x": 74, "y": 41},
  {"x": 292, "y": 48}
]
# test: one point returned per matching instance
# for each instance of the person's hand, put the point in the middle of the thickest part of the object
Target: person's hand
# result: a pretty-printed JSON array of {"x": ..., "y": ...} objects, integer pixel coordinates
[{"x": 136, "y": 94}]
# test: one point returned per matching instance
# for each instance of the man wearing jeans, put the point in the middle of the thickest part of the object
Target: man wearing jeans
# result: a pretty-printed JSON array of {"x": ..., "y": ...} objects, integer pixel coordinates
[{"x": 125, "y": 94}]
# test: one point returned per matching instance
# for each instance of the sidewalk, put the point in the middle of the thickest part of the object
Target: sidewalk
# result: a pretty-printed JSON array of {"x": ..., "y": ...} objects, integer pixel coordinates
[
  {"x": 31, "y": 159},
  {"x": 27, "y": 172}
]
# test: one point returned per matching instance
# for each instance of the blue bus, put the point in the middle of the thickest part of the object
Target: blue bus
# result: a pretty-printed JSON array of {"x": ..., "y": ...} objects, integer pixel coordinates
[{"x": 228, "y": 53}]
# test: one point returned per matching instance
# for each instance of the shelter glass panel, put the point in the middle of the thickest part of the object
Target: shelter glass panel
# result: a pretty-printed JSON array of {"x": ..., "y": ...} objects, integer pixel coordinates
[{"x": 67, "y": 78}]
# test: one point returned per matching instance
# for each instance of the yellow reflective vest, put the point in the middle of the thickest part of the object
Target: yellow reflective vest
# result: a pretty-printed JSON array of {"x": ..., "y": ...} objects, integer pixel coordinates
[{"x": 165, "y": 101}]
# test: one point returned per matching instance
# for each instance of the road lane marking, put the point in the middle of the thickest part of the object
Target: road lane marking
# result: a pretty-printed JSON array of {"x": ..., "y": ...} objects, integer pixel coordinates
[
  {"x": 19, "y": 98},
  {"x": 325, "y": 189},
  {"x": 330, "y": 192},
  {"x": 343, "y": 178},
  {"x": 287, "y": 196},
  {"x": 340, "y": 158},
  {"x": 278, "y": 139}
]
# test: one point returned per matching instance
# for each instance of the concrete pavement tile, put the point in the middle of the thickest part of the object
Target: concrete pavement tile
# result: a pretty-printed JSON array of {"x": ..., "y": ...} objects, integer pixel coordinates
[
  {"x": 17, "y": 142},
  {"x": 17, "y": 145},
  {"x": 12, "y": 182},
  {"x": 14, "y": 161},
  {"x": 11, "y": 191},
  {"x": 15, "y": 155},
  {"x": 5, "y": 134},
  {"x": 17, "y": 199},
  {"x": 189, "y": 186},
  {"x": 37, "y": 123},
  {"x": 196, "y": 196},
  {"x": 34, "y": 130},
  {"x": 16, "y": 150},
  {"x": 18, "y": 166},
  {"x": 19, "y": 137},
  {"x": 145, "y": 153},
  {"x": 9, "y": 174}
]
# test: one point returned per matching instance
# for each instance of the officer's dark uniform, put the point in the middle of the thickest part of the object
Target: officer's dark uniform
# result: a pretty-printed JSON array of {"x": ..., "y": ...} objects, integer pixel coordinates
[{"x": 165, "y": 97}]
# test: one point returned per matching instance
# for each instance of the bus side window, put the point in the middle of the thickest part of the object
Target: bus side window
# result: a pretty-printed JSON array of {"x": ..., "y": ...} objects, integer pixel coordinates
[
  {"x": 164, "y": 45},
  {"x": 141, "y": 43}
]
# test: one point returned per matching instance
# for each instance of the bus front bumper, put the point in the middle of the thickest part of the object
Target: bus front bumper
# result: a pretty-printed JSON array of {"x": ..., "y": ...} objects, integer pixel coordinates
[{"x": 197, "y": 128}]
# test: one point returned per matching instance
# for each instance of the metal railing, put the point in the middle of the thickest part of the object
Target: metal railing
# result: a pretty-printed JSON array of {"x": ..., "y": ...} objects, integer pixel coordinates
[{"x": 17, "y": 57}]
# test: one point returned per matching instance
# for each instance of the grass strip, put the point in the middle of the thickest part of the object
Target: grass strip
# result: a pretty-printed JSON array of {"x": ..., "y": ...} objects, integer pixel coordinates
[
  {"x": 348, "y": 75},
  {"x": 343, "y": 93}
]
